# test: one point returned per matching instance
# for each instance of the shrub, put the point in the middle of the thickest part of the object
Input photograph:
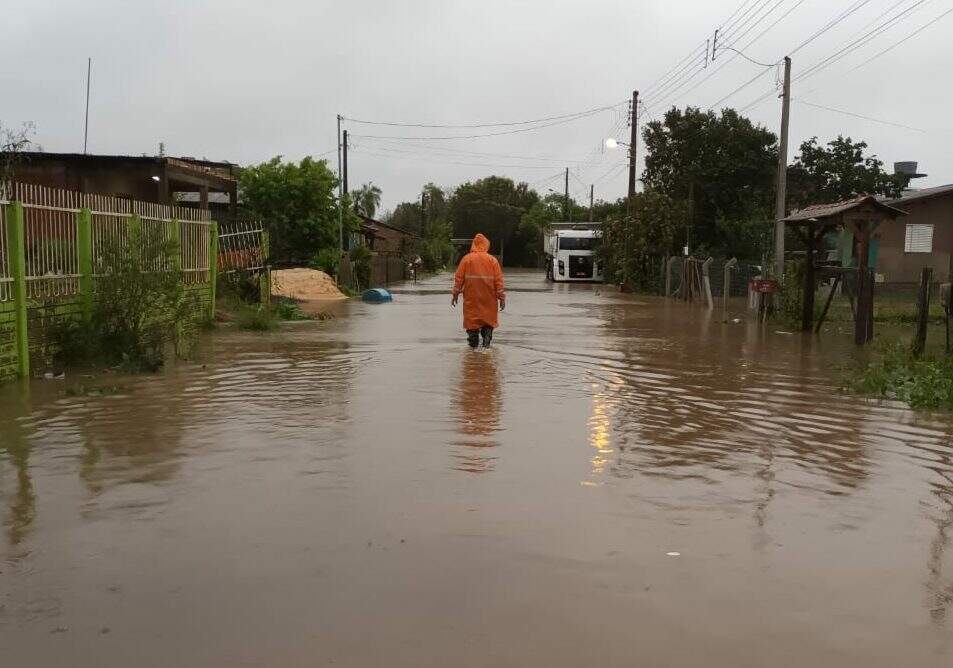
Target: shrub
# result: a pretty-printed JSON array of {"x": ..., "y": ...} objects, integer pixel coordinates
[
  {"x": 256, "y": 318},
  {"x": 922, "y": 382},
  {"x": 361, "y": 258},
  {"x": 139, "y": 308},
  {"x": 327, "y": 260}
]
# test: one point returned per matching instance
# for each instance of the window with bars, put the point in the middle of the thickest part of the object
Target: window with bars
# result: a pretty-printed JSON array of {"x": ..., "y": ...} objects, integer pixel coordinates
[{"x": 919, "y": 239}]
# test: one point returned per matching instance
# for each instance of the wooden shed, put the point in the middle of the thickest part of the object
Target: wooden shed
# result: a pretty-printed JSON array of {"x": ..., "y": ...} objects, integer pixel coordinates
[{"x": 860, "y": 216}]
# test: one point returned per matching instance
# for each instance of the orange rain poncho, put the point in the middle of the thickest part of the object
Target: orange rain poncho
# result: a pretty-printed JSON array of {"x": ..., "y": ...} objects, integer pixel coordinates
[{"x": 480, "y": 279}]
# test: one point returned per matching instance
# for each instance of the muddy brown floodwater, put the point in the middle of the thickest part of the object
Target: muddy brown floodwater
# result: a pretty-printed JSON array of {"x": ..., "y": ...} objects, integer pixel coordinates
[{"x": 619, "y": 481}]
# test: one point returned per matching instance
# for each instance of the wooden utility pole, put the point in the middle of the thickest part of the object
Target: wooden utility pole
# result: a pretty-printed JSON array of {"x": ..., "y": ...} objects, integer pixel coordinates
[
  {"x": 780, "y": 209},
  {"x": 633, "y": 142},
  {"x": 592, "y": 191},
  {"x": 340, "y": 194},
  {"x": 344, "y": 153},
  {"x": 566, "y": 214}
]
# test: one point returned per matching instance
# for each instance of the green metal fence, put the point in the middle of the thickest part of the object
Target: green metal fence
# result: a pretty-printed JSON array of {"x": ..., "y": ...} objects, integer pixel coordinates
[{"x": 52, "y": 243}]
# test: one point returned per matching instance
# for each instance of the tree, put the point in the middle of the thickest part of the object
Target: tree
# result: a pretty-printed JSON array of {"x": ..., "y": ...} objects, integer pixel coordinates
[
  {"x": 298, "y": 206},
  {"x": 13, "y": 143},
  {"x": 366, "y": 199},
  {"x": 633, "y": 245},
  {"x": 495, "y": 206},
  {"x": 837, "y": 172},
  {"x": 538, "y": 219},
  {"x": 428, "y": 219},
  {"x": 722, "y": 166}
]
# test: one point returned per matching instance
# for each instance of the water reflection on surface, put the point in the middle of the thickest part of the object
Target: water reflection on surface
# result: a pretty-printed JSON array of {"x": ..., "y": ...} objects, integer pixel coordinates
[
  {"x": 297, "y": 498},
  {"x": 477, "y": 403}
]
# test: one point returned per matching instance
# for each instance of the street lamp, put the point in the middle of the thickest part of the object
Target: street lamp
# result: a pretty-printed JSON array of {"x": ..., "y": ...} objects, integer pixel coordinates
[{"x": 612, "y": 143}]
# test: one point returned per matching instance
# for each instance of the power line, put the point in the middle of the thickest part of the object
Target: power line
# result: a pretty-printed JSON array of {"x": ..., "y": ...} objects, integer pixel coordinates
[
  {"x": 749, "y": 43},
  {"x": 490, "y": 134},
  {"x": 833, "y": 22},
  {"x": 423, "y": 148},
  {"x": 449, "y": 162},
  {"x": 856, "y": 44},
  {"x": 572, "y": 115},
  {"x": 749, "y": 59},
  {"x": 911, "y": 35},
  {"x": 866, "y": 118}
]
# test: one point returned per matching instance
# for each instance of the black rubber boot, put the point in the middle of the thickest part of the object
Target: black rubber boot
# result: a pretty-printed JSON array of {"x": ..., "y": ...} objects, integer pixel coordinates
[
  {"x": 486, "y": 333},
  {"x": 473, "y": 337}
]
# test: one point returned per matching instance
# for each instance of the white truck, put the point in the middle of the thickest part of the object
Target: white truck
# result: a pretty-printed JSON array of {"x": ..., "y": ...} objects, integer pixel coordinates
[{"x": 571, "y": 252}]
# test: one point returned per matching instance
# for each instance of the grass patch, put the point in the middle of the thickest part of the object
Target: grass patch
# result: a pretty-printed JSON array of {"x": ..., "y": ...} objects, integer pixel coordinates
[
  {"x": 288, "y": 309},
  {"x": 922, "y": 382},
  {"x": 256, "y": 318}
]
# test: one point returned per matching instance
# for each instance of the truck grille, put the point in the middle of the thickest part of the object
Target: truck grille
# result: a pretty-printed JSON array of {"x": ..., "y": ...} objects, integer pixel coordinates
[{"x": 580, "y": 266}]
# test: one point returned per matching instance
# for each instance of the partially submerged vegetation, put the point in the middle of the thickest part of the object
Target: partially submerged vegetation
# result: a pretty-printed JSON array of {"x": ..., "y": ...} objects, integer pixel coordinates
[
  {"x": 924, "y": 382},
  {"x": 140, "y": 310}
]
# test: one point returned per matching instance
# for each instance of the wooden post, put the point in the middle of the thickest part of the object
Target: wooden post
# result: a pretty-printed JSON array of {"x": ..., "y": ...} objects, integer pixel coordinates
[
  {"x": 264, "y": 280},
  {"x": 923, "y": 311},
  {"x": 827, "y": 304},
  {"x": 807, "y": 302},
  {"x": 861, "y": 326}
]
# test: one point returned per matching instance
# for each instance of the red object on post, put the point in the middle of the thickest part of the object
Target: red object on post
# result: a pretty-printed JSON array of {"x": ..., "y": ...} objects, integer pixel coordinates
[{"x": 766, "y": 285}]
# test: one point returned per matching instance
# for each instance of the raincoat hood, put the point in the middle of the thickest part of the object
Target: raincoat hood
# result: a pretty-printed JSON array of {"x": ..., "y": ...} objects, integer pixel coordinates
[{"x": 480, "y": 244}]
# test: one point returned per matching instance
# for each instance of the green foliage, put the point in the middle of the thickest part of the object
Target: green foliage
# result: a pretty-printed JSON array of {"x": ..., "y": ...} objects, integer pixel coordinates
[
  {"x": 256, "y": 318},
  {"x": 299, "y": 206},
  {"x": 495, "y": 206},
  {"x": 288, "y": 309},
  {"x": 366, "y": 199},
  {"x": 13, "y": 143},
  {"x": 137, "y": 311},
  {"x": 895, "y": 373},
  {"x": 837, "y": 172},
  {"x": 721, "y": 166},
  {"x": 361, "y": 259},
  {"x": 327, "y": 260},
  {"x": 632, "y": 247}
]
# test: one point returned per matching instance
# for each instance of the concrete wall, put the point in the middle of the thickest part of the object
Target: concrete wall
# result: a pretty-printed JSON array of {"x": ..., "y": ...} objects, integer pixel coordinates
[{"x": 900, "y": 267}]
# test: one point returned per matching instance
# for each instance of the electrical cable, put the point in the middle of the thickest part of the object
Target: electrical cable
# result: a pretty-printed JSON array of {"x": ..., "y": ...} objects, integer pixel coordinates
[
  {"x": 484, "y": 125},
  {"x": 490, "y": 134},
  {"x": 866, "y": 118}
]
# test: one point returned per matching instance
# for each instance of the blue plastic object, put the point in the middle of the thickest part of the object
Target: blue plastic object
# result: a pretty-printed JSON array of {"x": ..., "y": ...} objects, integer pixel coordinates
[{"x": 377, "y": 296}]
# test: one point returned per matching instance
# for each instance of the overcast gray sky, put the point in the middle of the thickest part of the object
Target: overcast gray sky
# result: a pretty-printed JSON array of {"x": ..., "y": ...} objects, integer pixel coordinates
[{"x": 244, "y": 81}]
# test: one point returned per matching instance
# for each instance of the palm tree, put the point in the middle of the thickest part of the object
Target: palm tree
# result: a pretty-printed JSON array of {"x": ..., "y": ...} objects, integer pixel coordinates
[{"x": 366, "y": 199}]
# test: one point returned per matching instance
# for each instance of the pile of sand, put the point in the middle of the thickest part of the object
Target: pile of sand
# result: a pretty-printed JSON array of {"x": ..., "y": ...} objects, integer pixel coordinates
[{"x": 305, "y": 284}]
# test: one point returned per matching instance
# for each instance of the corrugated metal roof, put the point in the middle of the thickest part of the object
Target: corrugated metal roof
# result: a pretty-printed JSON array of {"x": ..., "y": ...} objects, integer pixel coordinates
[{"x": 818, "y": 211}]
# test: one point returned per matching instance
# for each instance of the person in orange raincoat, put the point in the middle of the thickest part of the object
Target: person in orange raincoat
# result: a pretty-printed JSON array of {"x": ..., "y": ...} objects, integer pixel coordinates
[{"x": 480, "y": 279}]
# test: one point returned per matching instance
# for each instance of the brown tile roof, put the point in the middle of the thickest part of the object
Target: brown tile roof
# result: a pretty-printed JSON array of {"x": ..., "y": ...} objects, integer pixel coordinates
[{"x": 819, "y": 211}]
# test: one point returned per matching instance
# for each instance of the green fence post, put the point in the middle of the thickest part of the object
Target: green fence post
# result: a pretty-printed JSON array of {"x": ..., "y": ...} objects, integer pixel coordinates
[
  {"x": 84, "y": 249},
  {"x": 16, "y": 243},
  {"x": 264, "y": 281},
  {"x": 212, "y": 267}
]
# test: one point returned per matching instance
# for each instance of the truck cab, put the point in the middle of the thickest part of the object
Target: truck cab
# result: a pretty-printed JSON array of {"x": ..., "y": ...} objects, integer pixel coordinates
[{"x": 571, "y": 254}]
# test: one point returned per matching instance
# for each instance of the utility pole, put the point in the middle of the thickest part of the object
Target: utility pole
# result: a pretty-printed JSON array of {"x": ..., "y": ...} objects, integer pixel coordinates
[
  {"x": 592, "y": 190},
  {"x": 633, "y": 141},
  {"x": 344, "y": 152},
  {"x": 780, "y": 208},
  {"x": 340, "y": 194},
  {"x": 566, "y": 214},
  {"x": 89, "y": 72}
]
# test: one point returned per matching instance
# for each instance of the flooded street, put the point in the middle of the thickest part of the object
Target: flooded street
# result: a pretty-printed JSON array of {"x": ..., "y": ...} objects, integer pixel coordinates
[{"x": 619, "y": 481}]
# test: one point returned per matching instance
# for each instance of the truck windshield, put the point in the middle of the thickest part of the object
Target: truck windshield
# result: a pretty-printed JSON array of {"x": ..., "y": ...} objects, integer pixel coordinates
[{"x": 577, "y": 243}]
